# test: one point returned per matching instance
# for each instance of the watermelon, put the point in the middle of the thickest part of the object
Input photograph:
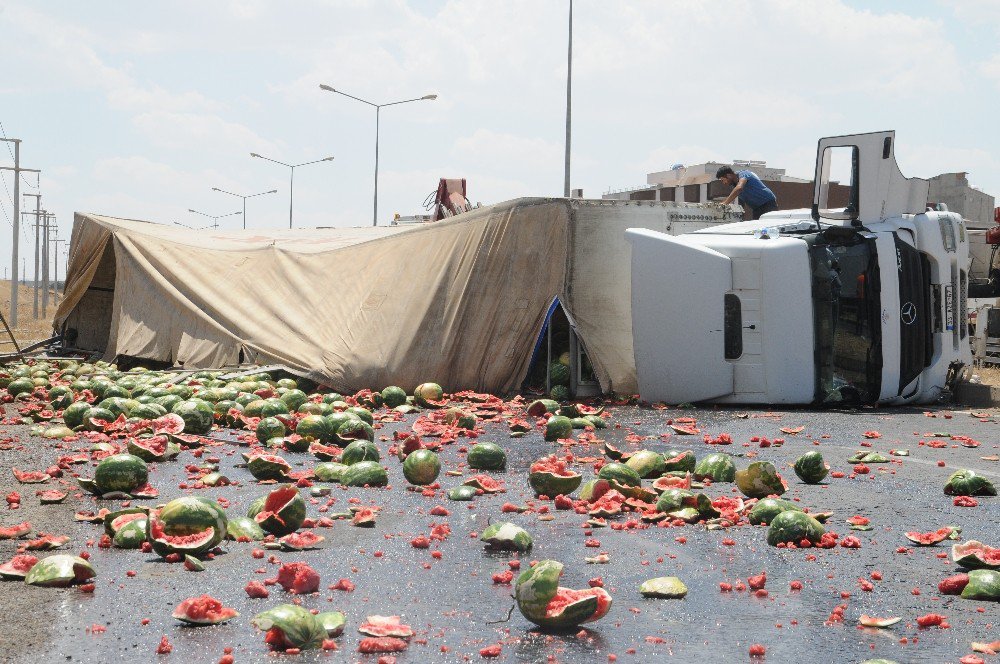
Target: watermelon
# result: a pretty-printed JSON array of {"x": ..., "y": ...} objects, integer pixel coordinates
[
  {"x": 459, "y": 418},
  {"x": 539, "y": 407},
  {"x": 333, "y": 621},
  {"x": 541, "y": 600},
  {"x": 290, "y": 626},
  {"x": 505, "y": 536},
  {"x": 765, "y": 510},
  {"x": 59, "y": 571},
  {"x": 558, "y": 373},
  {"x": 929, "y": 539},
  {"x": 197, "y": 415},
  {"x": 273, "y": 407},
  {"x": 969, "y": 483},
  {"x": 420, "y": 468},
  {"x": 984, "y": 584},
  {"x": 810, "y": 467},
  {"x": 365, "y": 473},
  {"x": 646, "y": 463},
  {"x": 717, "y": 467},
  {"x": 393, "y": 396},
  {"x": 282, "y": 512},
  {"x": 120, "y": 472},
  {"x": 791, "y": 527},
  {"x": 487, "y": 456},
  {"x": 153, "y": 448},
  {"x": 329, "y": 471},
  {"x": 268, "y": 467},
  {"x": 268, "y": 428},
  {"x": 294, "y": 398},
  {"x": 314, "y": 427},
  {"x": 975, "y": 555},
  {"x": 113, "y": 521},
  {"x": 678, "y": 461},
  {"x": 188, "y": 524},
  {"x": 664, "y": 587},
  {"x": 385, "y": 626},
  {"x": 620, "y": 473},
  {"x": 461, "y": 493},
  {"x": 362, "y": 414},
  {"x": 360, "y": 450},
  {"x": 17, "y": 567},
  {"x": 551, "y": 476},
  {"x": 298, "y": 578},
  {"x": 300, "y": 541},
  {"x": 131, "y": 535},
  {"x": 428, "y": 395},
  {"x": 760, "y": 480},
  {"x": 354, "y": 429},
  {"x": 244, "y": 527},
  {"x": 558, "y": 427},
  {"x": 74, "y": 413}
]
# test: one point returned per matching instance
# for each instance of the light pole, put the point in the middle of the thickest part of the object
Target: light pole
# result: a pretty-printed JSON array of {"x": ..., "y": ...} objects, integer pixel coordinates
[
  {"x": 291, "y": 181},
  {"x": 569, "y": 97},
  {"x": 378, "y": 108},
  {"x": 214, "y": 217},
  {"x": 273, "y": 191}
]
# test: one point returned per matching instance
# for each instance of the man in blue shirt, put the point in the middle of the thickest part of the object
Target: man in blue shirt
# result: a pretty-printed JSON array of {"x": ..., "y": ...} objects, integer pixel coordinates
[{"x": 750, "y": 190}]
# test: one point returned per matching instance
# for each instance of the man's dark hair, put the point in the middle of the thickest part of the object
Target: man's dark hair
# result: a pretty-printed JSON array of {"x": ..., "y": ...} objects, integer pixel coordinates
[{"x": 723, "y": 171}]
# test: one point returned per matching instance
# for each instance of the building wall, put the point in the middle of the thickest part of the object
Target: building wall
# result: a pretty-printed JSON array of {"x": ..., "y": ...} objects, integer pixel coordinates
[{"x": 953, "y": 190}]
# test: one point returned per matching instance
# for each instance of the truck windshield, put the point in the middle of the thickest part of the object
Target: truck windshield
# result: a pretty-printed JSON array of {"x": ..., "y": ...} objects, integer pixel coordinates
[{"x": 846, "y": 306}]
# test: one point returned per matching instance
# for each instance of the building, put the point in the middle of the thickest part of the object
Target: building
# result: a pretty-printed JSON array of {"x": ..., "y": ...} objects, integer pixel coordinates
[
  {"x": 954, "y": 190},
  {"x": 697, "y": 184}
]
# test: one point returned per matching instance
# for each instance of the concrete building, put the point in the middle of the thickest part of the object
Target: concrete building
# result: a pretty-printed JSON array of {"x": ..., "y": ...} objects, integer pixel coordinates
[
  {"x": 953, "y": 190},
  {"x": 697, "y": 184}
]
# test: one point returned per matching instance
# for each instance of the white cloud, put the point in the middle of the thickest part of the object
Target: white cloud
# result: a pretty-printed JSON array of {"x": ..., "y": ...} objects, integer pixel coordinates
[
  {"x": 202, "y": 133},
  {"x": 991, "y": 69}
]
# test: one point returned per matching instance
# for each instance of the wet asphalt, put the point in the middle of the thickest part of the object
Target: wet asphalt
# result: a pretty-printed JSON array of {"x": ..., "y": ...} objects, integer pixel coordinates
[{"x": 455, "y": 608}]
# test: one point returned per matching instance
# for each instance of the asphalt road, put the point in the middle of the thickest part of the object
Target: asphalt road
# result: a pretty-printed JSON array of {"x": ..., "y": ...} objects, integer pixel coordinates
[{"x": 452, "y": 603}]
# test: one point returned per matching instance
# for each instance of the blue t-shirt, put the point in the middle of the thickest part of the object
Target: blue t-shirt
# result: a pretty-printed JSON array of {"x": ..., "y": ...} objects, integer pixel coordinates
[{"x": 755, "y": 193}]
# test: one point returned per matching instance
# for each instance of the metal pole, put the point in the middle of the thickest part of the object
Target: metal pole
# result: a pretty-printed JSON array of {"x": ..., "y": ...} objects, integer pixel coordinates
[
  {"x": 38, "y": 204},
  {"x": 375, "y": 206},
  {"x": 16, "y": 223},
  {"x": 291, "y": 188},
  {"x": 244, "y": 213},
  {"x": 55, "y": 281},
  {"x": 45, "y": 267},
  {"x": 569, "y": 97}
]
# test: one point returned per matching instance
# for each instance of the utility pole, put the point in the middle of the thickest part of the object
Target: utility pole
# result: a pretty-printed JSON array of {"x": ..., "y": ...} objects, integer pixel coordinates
[
  {"x": 15, "y": 222},
  {"x": 38, "y": 206},
  {"x": 45, "y": 262},
  {"x": 55, "y": 290},
  {"x": 569, "y": 96}
]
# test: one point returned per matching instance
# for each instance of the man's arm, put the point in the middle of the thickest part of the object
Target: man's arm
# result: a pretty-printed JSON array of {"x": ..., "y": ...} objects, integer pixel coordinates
[{"x": 735, "y": 192}]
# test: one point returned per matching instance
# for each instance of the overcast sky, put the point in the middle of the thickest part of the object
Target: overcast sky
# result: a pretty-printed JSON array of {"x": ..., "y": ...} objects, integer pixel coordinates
[{"x": 138, "y": 111}]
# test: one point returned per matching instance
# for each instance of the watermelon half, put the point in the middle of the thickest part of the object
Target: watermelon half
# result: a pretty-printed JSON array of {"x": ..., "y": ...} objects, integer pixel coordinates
[{"x": 544, "y": 602}]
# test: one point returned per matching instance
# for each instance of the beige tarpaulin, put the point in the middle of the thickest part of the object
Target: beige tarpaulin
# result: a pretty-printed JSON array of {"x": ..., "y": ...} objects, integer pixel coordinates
[{"x": 459, "y": 302}]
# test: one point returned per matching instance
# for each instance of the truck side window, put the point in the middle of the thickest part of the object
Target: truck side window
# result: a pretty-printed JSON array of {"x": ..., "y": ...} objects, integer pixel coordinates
[{"x": 733, "y": 324}]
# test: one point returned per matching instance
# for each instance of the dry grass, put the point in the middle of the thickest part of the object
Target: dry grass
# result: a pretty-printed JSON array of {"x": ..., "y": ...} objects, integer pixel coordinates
[{"x": 29, "y": 329}]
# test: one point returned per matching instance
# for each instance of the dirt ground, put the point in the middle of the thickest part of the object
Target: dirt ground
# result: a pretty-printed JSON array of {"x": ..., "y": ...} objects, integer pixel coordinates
[{"x": 29, "y": 329}]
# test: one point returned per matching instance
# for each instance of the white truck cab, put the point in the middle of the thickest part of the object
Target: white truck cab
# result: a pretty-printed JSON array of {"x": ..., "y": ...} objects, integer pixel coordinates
[{"x": 862, "y": 303}]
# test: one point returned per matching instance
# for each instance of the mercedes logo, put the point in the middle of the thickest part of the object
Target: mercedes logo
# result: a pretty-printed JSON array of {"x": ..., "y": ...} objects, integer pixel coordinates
[{"x": 908, "y": 313}]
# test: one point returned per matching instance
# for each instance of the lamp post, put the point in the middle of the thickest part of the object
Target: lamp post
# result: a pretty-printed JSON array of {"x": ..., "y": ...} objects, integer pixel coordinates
[
  {"x": 378, "y": 108},
  {"x": 214, "y": 217},
  {"x": 291, "y": 181},
  {"x": 273, "y": 191}
]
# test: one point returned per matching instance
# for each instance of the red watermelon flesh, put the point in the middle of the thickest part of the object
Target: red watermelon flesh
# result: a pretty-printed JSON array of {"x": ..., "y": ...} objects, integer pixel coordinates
[
  {"x": 17, "y": 567},
  {"x": 30, "y": 476},
  {"x": 15, "y": 531},
  {"x": 155, "y": 444},
  {"x": 302, "y": 540},
  {"x": 382, "y": 644},
  {"x": 120, "y": 521},
  {"x": 192, "y": 541},
  {"x": 170, "y": 423},
  {"x": 566, "y": 596},
  {"x": 552, "y": 464},
  {"x": 204, "y": 610},
  {"x": 385, "y": 626},
  {"x": 298, "y": 578},
  {"x": 928, "y": 539}
]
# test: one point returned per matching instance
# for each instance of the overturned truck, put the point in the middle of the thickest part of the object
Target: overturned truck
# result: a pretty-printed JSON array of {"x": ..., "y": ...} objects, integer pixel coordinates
[{"x": 471, "y": 302}]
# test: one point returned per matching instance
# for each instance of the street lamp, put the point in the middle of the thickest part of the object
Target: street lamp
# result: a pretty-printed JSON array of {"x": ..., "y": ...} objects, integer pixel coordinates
[
  {"x": 214, "y": 217},
  {"x": 273, "y": 191},
  {"x": 378, "y": 108},
  {"x": 291, "y": 181}
]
